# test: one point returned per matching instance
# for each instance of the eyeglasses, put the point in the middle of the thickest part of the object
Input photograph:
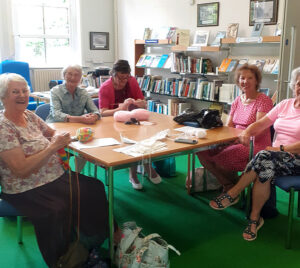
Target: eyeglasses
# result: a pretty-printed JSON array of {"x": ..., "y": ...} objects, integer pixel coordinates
[
  {"x": 124, "y": 78},
  {"x": 132, "y": 121}
]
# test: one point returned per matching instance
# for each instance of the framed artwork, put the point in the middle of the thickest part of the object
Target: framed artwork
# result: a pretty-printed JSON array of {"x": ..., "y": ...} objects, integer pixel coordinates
[
  {"x": 257, "y": 29},
  {"x": 208, "y": 14},
  {"x": 232, "y": 30},
  {"x": 99, "y": 41},
  {"x": 201, "y": 38},
  {"x": 263, "y": 11}
]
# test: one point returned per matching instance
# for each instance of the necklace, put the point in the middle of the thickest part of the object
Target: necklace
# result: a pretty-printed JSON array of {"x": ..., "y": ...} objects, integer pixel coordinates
[{"x": 246, "y": 101}]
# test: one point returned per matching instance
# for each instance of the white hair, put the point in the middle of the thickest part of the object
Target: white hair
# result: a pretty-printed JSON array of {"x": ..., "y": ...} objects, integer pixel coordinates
[
  {"x": 71, "y": 66},
  {"x": 294, "y": 75},
  {"x": 6, "y": 78}
]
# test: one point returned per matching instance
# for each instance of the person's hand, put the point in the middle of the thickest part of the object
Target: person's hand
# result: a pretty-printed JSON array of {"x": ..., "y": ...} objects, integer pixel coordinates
[
  {"x": 60, "y": 140},
  {"x": 89, "y": 118},
  {"x": 244, "y": 138},
  {"x": 141, "y": 103},
  {"x": 129, "y": 101},
  {"x": 274, "y": 149}
]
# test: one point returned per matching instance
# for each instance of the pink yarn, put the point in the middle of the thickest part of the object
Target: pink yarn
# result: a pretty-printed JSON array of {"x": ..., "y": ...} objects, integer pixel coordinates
[{"x": 139, "y": 114}]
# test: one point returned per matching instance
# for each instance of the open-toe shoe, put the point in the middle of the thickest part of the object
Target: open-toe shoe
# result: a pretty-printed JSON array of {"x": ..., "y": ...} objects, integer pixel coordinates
[
  {"x": 219, "y": 200},
  {"x": 259, "y": 223}
]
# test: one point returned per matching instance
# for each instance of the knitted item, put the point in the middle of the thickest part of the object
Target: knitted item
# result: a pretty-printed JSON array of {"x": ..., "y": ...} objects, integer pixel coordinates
[
  {"x": 84, "y": 134},
  {"x": 64, "y": 160}
]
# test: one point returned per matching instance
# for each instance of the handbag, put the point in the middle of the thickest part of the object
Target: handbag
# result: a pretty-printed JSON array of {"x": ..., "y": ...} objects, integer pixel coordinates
[
  {"x": 138, "y": 251},
  {"x": 206, "y": 118}
]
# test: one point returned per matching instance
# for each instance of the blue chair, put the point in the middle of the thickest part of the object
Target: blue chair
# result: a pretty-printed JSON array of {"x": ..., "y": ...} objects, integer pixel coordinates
[
  {"x": 7, "y": 210},
  {"x": 21, "y": 68},
  {"x": 96, "y": 101},
  {"x": 290, "y": 184},
  {"x": 43, "y": 110}
]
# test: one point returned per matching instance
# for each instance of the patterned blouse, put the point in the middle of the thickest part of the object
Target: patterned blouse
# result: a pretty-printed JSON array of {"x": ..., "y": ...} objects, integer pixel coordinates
[{"x": 31, "y": 140}]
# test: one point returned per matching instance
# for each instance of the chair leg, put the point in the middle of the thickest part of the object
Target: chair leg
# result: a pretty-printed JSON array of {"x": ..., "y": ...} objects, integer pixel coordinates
[
  {"x": 298, "y": 207},
  {"x": 248, "y": 201},
  {"x": 290, "y": 218},
  {"x": 19, "y": 230}
]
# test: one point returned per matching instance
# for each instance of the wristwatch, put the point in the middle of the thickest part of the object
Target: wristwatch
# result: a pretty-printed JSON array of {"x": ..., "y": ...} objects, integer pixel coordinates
[{"x": 281, "y": 148}]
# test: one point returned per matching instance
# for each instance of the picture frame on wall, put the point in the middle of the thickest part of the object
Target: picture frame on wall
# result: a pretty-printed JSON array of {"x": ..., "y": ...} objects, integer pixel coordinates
[
  {"x": 99, "y": 41},
  {"x": 265, "y": 11},
  {"x": 208, "y": 14}
]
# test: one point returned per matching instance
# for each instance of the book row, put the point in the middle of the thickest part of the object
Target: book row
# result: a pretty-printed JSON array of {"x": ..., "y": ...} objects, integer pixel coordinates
[
  {"x": 269, "y": 66},
  {"x": 200, "y": 88},
  {"x": 187, "y": 64},
  {"x": 173, "y": 107}
]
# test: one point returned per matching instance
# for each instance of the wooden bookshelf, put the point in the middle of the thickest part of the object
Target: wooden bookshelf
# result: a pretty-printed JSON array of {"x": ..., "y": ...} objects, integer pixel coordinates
[
  {"x": 265, "y": 39},
  {"x": 153, "y": 41},
  {"x": 197, "y": 49}
]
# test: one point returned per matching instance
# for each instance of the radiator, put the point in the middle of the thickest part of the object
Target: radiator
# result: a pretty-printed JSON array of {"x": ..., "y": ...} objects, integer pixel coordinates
[{"x": 42, "y": 77}]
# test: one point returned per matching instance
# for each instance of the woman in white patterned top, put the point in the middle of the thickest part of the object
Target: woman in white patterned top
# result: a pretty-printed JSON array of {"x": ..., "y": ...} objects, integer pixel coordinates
[{"x": 34, "y": 182}]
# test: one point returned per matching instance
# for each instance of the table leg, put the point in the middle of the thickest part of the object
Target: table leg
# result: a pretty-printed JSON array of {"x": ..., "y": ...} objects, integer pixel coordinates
[
  {"x": 111, "y": 211},
  {"x": 193, "y": 172}
]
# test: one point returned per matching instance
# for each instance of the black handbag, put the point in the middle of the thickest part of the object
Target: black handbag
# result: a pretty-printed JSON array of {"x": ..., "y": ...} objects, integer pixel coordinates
[
  {"x": 205, "y": 118},
  {"x": 209, "y": 119}
]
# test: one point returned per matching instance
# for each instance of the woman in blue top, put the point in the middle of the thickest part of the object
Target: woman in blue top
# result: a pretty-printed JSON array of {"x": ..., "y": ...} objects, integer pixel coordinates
[{"x": 69, "y": 102}]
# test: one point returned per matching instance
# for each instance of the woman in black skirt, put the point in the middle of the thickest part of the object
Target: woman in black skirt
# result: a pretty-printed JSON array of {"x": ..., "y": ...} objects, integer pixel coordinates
[{"x": 58, "y": 203}]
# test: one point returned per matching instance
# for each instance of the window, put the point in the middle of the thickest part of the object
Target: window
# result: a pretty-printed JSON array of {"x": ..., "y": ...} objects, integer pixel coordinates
[{"x": 42, "y": 30}]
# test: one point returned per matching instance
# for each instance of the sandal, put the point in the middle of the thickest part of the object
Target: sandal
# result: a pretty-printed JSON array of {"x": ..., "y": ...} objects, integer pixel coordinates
[
  {"x": 220, "y": 198},
  {"x": 259, "y": 223}
]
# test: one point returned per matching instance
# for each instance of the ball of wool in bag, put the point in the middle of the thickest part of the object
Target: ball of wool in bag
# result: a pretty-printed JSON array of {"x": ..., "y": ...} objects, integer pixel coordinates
[{"x": 84, "y": 134}]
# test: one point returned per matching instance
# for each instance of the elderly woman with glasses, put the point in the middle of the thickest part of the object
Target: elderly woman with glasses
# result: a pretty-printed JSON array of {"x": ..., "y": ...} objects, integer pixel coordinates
[
  {"x": 35, "y": 183},
  {"x": 122, "y": 92}
]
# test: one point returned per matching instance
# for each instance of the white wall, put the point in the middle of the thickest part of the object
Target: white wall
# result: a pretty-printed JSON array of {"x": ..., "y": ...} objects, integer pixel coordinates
[
  {"x": 135, "y": 15},
  {"x": 96, "y": 16}
]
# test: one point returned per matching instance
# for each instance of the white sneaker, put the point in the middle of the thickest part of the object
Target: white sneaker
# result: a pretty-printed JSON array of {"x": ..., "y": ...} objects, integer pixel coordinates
[
  {"x": 136, "y": 186},
  {"x": 155, "y": 180}
]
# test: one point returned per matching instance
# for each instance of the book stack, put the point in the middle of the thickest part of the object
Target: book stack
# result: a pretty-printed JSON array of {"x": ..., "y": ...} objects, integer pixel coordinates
[{"x": 264, "y": 65}]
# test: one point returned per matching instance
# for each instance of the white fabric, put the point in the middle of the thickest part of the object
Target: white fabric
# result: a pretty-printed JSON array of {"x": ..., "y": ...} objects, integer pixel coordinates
[
  {"x": 7, "y": 45},
  {"x": 147, "y": 146}
]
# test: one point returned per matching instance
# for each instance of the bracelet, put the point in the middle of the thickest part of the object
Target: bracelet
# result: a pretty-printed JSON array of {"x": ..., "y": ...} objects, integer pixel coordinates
[{"x": 281, "y": 148}]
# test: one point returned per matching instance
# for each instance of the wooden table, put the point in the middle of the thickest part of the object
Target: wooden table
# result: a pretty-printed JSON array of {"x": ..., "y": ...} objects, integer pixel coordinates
[{"x": 111, "y": 160}]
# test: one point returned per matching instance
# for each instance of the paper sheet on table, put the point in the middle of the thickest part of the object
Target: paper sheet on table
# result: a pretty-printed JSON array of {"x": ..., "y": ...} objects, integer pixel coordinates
[
  {"x": 187, "y": 128},
  {"x": 96, "y": 143}
]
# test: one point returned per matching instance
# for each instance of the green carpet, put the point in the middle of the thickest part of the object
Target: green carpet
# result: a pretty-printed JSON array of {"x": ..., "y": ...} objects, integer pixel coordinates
[{"x": 205, "y": 237}]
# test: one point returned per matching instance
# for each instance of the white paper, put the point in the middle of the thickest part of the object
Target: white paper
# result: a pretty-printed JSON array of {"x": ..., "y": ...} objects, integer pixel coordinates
[{"x": 95, "y": 143}]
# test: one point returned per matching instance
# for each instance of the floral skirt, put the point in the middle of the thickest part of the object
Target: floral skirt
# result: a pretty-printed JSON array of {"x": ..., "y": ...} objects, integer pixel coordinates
[{"x": 269, "y": 164}]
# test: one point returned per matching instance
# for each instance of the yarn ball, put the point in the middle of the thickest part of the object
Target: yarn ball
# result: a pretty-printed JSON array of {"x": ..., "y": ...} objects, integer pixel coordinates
[
  {"x": 84, "y": 134},
  {"x": 138, "y": 114}
]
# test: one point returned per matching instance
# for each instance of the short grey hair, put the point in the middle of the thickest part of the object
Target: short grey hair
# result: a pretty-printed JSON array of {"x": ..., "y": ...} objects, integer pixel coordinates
[
  {"x": 294, "y": 75},
  {"x": 6, "y": 78},
  {"x": 71, "y": 66}
]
